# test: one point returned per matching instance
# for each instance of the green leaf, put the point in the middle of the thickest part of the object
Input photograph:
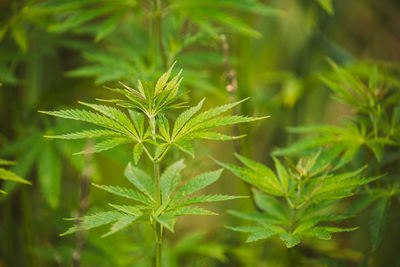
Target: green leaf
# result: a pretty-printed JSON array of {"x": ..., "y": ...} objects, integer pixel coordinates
[
  {"x": 161, "y": 83},
  {"x": 8, "y": 175},
  {"x": 141, "y": 180},
  {"x": 105, "y": 145},
  {"x": 137, "y": 152},
  {"x": 129, "y": 209},
  {"x": 282, "y": 175},
  {"x": 125, "y": 192},
  {"x": 95, "y": 220},
  {"x": 170, "y": 178},
  {"x": 117, "y": 115},
  {"x": 326, "y": 5},
  {"x": 290, "y": 240},
  {"x": 96, "y": 133},
  {"x": 120, "y": 224},
  {"x": 49, "y": 173},
  {"x": 264, "y": 183},
  {"x": 185, "y": 147},
  {"x": 206, "y": 199},
  {"x": 184, "y": 117},
  {"x": 270, "y": 205},
  {"x": 245, "y": 229},
  {"x": 162, "y": 121},
  {"x": 263, "y": 234},
  {"x": 138, "y": 122},
  {"x": 197, "y": 183},
  {"x": 182, "y": 211},
  {"x": 167, "y": 220},
  {"x": 19, "y": 33},
  {"x": 378, "y": 221},
  {"x": 87, "y": 116}
]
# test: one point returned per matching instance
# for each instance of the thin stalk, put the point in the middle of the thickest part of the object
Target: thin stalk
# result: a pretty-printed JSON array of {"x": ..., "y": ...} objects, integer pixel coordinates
[{"x": 157, "y": 227}]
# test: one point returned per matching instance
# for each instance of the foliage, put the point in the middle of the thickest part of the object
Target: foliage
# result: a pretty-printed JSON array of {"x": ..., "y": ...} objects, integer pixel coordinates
[
  {"x": 9, "y": 175},
  {"x": 159, "y": 200},
  {"x": 297, "y": 201},
  {"x": 373, "y": 94}
]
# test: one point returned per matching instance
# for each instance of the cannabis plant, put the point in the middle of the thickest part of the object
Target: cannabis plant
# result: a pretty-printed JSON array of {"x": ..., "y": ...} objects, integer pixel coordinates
[
  {"x": 160, "y": 199},
  {"x": 297, "y": 201},
  {"x": 371, "y": 136}
]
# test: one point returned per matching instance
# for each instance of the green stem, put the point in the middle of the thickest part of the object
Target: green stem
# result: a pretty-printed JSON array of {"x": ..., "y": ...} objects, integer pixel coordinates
[{"x": 158, "y": 227}]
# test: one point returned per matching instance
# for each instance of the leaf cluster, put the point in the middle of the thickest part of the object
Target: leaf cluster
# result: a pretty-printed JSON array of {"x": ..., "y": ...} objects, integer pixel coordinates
[
  {"x": 296, "y": 201},
  {"x": 178, "y": 199}
]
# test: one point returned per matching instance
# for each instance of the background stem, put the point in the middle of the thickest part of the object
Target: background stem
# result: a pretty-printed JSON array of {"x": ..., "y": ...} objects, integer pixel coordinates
[{"x": 158, "y": 19}]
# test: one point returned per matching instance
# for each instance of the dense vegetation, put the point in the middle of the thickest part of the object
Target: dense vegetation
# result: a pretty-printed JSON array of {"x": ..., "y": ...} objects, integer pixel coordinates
[{"x": 304, "y": 94}]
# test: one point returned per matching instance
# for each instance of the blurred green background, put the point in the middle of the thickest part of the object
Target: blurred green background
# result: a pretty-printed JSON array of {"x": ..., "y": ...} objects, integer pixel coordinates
[{"x": 55, "y": 52}]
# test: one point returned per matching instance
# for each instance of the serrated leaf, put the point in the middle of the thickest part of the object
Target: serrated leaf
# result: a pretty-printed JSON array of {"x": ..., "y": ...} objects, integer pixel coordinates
[
  {"x": 183, "y": 118},
  {"x": 197, "y": 183},
  {"x": 282, "y": 175},
  {"x": 263, "y": 234},
  {"x": 270, "y": 186},
  {"x": 185, "y": 147},
  {"x": 167, "y": 220},
  {"x": 290, "y": 240},
  {"x": 182, "y": 211},
  {"x": 206, "y": 199},
  {"x": 270, "y": 205},
  {"x": 120, "y": 224},
  {"x": 141, "y": 180},
  {"x": 106, "y": 145},
  {"x": 87, "y": 116},
  {"x": 95, "y": 133},
  {"x": 95, "y": 220},
  {"x": 125, "y": 192},
  {"x": 161, "y": 83},
  {"x": 137, "y": 152},
  {"x": 117, "y": 115},
  {"x": 129, "y": 209},
  {"x": 170, "y": 178}
]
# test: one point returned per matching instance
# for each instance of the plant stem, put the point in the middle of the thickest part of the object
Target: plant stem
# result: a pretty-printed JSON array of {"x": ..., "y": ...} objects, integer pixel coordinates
[{"x": 158, "y": 226}]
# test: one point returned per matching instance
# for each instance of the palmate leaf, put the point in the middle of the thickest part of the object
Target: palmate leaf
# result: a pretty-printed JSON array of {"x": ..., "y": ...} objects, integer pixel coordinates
[
  {"x": 188, "y": 127},
  {"x": 301, "y": 212}
]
